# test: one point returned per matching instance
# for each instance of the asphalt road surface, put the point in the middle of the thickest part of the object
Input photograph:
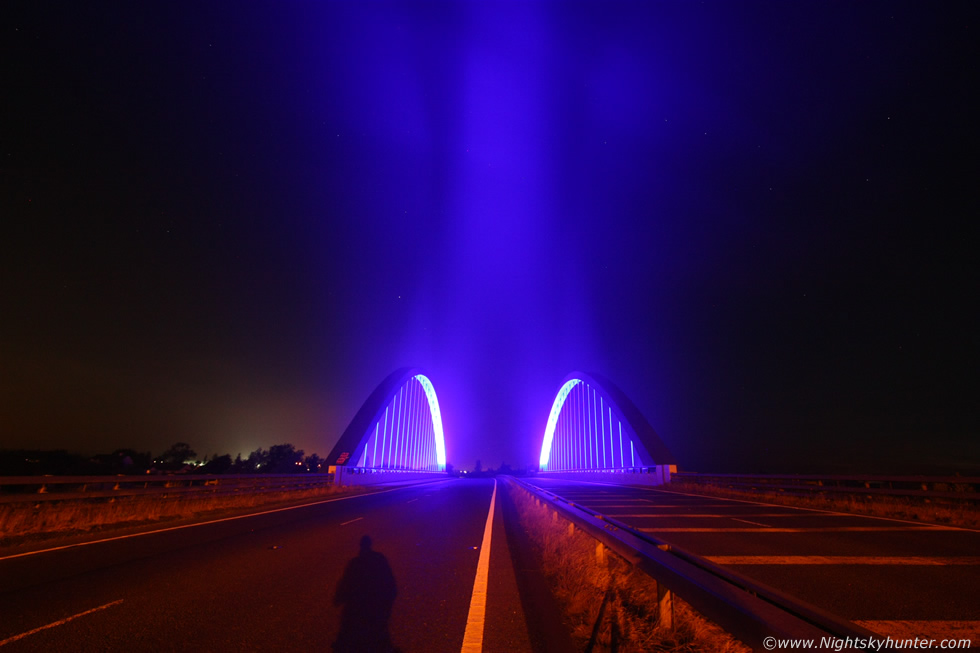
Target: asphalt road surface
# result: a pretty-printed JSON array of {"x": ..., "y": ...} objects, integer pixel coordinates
[
  {"x": 892, "y": 577},
  {"x": 299, "y": 579}
]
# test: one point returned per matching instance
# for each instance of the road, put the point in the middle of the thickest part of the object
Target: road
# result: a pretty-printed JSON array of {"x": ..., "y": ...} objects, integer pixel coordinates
[
  {"x": 268, "y": 582},
  {"x": 893, "y": 577}
]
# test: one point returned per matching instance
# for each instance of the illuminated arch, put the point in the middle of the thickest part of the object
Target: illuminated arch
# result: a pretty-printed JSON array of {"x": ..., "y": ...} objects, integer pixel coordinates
[
  {"x": 398, "y": 427},
  {"x": 593, "y": 425}
]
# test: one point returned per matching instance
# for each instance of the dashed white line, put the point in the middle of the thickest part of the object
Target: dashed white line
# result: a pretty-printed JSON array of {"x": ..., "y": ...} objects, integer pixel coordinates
[
  {"x": 60, "y": 622},
  {"x": 202, "y": 523},
  {"x": 351, "y": 521},
  {"x": 746, "y": 521}
]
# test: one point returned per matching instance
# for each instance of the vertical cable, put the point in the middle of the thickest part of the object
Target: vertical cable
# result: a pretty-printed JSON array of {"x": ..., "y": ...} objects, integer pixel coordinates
[
  {"x": 400, "y": 433},
  {"x": 384, "y": 436},
  {"x": 429, "y": 437},
  {"x": 612, "y": 443},
  {"x": 585, "y": 433},
  {"x": 561, "y": 448},
  {"x": 622, "y": 457},
  {"x": 412, "y": 414},
  {"x": 396, "y": 421},
  {"x": 422, "y": 414},
  {"x": 602, "y": 427},
  {"x": 575, "y": 438},
  {"x": 418, "y": 427},
  {"x": 590, "y": 408}
]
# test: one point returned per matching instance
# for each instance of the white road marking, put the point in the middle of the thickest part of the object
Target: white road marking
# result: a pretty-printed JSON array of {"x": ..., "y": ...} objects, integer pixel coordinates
[
  {"x": 930, "y": 561},
  {"x": 671, "y": 515},
  {"x": 415, "y": 499},
  {"x": 937, "y": 630},
  {"x": 746, "y": 521},
  {"x": 60, "y": 622},
  {"x": 351, "y": 521},
  {"x": 695, "y": 505},
  {"x": 826, "y": 512},
  {"x": 203, "y": 523},
  {"x": 828, "y": 529},
  {"x": 475, "y": 620},
  {"x": 600, "y": 507}
]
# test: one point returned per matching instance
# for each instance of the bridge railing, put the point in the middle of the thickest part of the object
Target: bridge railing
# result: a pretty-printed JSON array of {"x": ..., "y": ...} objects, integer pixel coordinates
[
  {"x": 652, "y": 475},
  {"x": 15, "y": 489},
  {"x": 374, "y": 476},
  {"x": 749, "y": 610},
  {"x": 965, "y": 488}
]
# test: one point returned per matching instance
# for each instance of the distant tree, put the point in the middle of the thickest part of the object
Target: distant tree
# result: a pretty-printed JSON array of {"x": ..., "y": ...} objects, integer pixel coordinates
[
  {"x": 30, "y": 462},
  {"x": 258, "y": 461},
  {"x": 313, "y": 463},
  {"x": 478, "y": 467},
  {"x": 174, "y": 457},
  {"x": 129, "y": 461},
  {"x": 218, "y": 464},
  {"x": 450, "y": 470},
  {"x": 285, "y": 459},
  {"x": 504, "y": 469}
]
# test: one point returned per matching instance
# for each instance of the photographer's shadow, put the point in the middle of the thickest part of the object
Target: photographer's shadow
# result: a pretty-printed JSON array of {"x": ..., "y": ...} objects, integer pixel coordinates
[{"x": 367, "y": 591}]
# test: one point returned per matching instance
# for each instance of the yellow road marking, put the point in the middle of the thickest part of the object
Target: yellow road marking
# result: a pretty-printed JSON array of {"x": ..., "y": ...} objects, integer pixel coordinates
[{"x": 475, "y": 620}]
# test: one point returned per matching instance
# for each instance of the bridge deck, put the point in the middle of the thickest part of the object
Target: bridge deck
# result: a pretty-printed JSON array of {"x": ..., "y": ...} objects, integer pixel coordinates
[{"x": 890, "y": 576}]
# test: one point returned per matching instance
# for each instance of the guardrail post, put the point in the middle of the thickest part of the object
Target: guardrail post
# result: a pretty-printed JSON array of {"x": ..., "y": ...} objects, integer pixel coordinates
[
  {"x": 665, "y": 600},
  {"x": 600, "y": 553}
]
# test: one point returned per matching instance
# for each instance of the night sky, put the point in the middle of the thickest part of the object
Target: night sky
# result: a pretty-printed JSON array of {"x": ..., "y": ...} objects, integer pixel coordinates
[{"x": 226, "y": 223}]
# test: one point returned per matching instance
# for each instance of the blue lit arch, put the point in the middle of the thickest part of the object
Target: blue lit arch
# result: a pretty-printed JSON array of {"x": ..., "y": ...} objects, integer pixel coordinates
[
  {"x": 594, "y": 425},
  {"x": 398, "y": 427}
]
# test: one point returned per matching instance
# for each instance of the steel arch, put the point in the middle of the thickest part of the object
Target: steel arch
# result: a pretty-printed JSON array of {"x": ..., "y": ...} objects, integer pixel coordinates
[
  {"x": 650, "y": 449},
  {"x": 350, "y": 447}
]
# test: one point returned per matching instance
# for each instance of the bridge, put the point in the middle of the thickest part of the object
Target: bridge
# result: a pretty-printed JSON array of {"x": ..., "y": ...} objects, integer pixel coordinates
[
  {"x": 397, "y": 433},
  {"x": 592, "y": 428},
  {"x": 421, "y": 561}
]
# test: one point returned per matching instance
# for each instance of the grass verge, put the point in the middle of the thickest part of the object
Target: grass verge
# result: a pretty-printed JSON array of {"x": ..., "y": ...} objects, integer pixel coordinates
[
  {"x": 610, "y": 605},
  {"x": 913, "y": 509},
  {"x": 27, "y": 522}
]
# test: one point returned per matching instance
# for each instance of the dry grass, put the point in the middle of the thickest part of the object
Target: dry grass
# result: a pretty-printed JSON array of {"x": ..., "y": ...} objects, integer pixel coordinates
[
  {"x": 29, "y": 521},
  {"x": 611, "y": 605},
  {"x": 874, "y": 505}
]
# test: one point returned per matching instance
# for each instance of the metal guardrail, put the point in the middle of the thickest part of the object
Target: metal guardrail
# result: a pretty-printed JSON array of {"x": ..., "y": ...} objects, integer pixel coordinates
[
  {"x": 961, "y": 488},
  {"x": 747, "y": 609},
  {"x": 14, "y": 489}
]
